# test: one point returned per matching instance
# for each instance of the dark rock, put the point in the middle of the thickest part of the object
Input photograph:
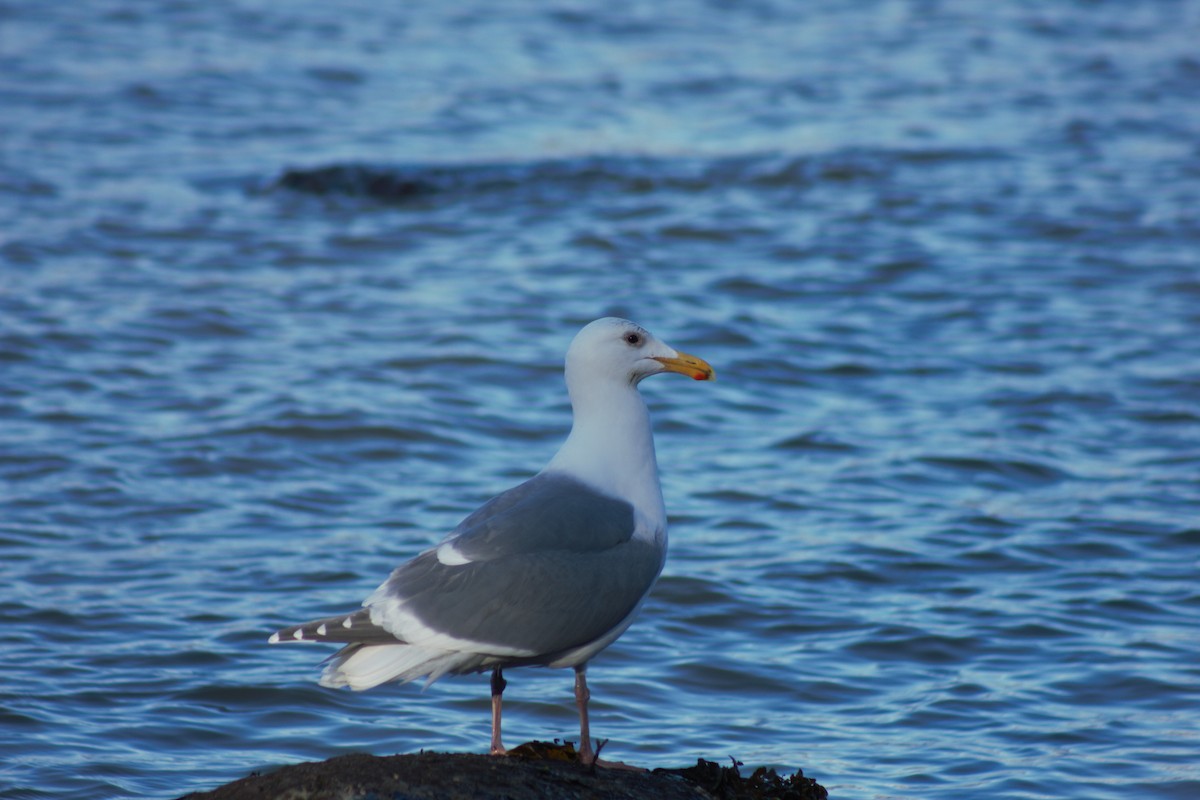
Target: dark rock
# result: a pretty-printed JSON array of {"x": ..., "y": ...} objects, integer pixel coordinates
[
  {"x": 727, "y": 783},
  {"x": 539, "y": 771},
  {"x": 357, "y": 180}
]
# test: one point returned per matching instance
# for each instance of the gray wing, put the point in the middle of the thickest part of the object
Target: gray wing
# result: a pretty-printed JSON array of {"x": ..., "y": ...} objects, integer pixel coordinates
[
  {"x": 551, "y": 565},
  {"x": 550, "y": 511}
]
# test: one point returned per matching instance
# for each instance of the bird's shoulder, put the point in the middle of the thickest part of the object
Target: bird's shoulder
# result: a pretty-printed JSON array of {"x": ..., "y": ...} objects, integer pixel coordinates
[{"x": 552, "y": 511}]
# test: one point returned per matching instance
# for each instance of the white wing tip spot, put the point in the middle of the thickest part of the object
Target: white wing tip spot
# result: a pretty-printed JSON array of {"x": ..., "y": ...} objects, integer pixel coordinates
[
  {"x": 348, "y": 622},
  {"x": 321, "y": 631},
  {"x": 274, "y": 639},
  {"x": 449, "y": 555},
  {"x": 299, "y": 634}
]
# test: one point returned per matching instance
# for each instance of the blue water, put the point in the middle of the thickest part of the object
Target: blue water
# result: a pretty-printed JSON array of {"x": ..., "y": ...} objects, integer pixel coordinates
[{"x": 284, "y": 293}]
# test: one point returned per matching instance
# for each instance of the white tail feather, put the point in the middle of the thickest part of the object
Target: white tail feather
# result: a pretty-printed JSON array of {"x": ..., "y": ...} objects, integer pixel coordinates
[{"x": 372, "y": 665}]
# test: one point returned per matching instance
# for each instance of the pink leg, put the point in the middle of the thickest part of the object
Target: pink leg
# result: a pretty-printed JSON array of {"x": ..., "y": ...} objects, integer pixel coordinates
[
  {"x": 498, "y": 684},
  {"x": 586, "y": 754},
  {"x": 582, "y": 695}
]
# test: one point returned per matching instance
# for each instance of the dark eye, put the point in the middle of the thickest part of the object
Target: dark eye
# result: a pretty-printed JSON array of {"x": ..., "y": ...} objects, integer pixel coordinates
[{"x": 633, "y": 339}]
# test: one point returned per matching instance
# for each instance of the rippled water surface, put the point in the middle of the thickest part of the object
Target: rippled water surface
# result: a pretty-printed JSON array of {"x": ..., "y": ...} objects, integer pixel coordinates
[{"x": 285, "y": 290}]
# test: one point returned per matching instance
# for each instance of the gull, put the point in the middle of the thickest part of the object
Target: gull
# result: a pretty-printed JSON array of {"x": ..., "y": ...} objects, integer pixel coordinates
[{"x": 548, "y": 573}]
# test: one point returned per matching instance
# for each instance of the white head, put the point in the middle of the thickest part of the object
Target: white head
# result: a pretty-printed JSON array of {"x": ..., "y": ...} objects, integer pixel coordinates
[
  {"x": 612, "y": 351},
  {"x": 611, "y": 446}
]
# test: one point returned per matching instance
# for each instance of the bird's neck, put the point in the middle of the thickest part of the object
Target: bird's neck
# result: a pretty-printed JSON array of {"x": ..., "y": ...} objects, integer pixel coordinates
[{"x": 611, "y": 447}]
